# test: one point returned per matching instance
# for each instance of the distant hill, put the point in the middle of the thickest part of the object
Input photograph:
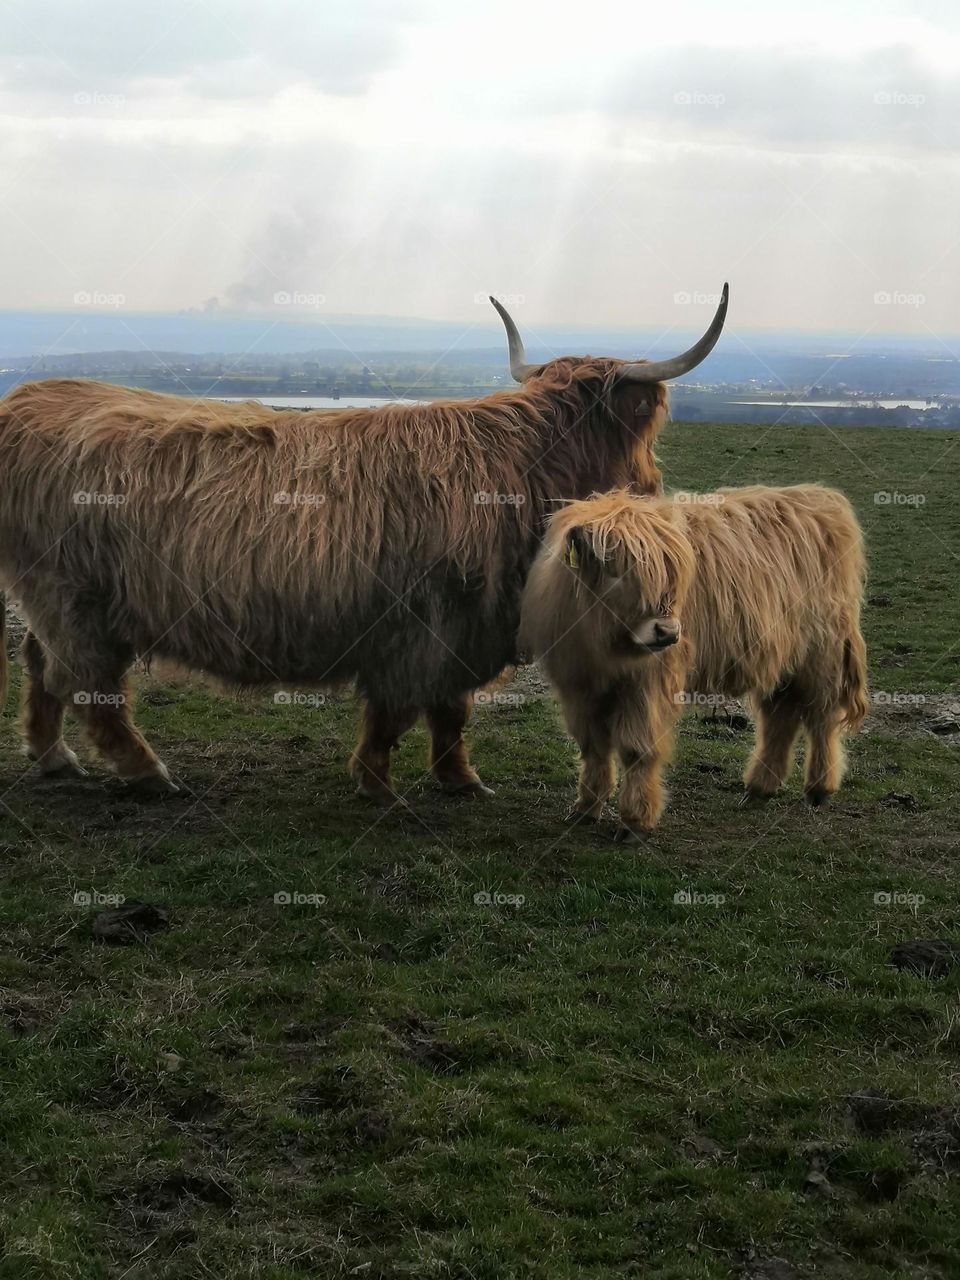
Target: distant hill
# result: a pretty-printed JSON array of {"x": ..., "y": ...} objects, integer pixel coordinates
[{"x": 882, "y": 366}]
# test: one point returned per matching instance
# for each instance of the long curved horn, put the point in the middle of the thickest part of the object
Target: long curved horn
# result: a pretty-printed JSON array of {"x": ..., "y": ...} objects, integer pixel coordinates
[
  {"x": 662, "y": 370},
  {"x": 518, "y": 358}
]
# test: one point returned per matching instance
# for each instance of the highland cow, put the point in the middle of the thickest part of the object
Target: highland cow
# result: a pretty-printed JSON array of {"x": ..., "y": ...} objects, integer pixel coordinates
[
  {"x": 636, "y": 607},
  {"x": 386, "y": 547}
]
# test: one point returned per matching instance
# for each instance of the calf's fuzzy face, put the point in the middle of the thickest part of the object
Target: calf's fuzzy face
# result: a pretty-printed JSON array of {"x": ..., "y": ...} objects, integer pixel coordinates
[{"x": 633, "y": 565}]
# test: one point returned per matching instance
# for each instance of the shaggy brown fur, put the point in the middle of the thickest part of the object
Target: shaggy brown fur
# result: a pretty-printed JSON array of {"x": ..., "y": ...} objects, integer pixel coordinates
[
  {"x": 637, "y": 607},
  {"x": 384, "y": 567}
]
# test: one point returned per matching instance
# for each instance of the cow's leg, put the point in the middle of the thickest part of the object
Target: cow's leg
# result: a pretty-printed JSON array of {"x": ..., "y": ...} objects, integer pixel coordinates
[
  {"x": 448, "y": 752},
  {"x": 42, "y": 718},
  {"x": 107, "y": 719},
  {"x": 825, "y": 762},
  {"x": 778, "y": 723},
  {"x": 84, "y": 666},
  {"x": 597, "y": 776},
  {"x": 370, "y": 763}
]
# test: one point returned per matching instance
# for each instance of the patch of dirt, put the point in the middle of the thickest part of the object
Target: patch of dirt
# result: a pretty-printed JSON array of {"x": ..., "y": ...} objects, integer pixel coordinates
[
  {"x": 931, "y": 1133},
  {"x": 337, "y": 1089},
  {"x": 179, "y": 1189},
  {"x": 702, "y": 1150},
  {"x": 195, "y": 1108},
  {"x": 930, "y": 957},
  {"x": 752, "y": 1266},
  {"x": 371, "y": 1129},
  {"x": 425, "y": 1048},
  {"x": 22, "y": 1017},
  {"x": 130, "y": 923}
]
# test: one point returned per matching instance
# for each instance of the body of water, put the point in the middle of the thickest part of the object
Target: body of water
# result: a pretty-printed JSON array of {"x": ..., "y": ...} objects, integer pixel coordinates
[
  {"x": 317, "y": 402},
  {"x": 840, "y": 404}
]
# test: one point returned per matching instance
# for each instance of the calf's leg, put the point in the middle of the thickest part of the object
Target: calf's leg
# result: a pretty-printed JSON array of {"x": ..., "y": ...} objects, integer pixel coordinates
[
  {"x": 778, "y": 723},
  {"x": 597, "y": 776},
  {"x": 642, "y": 795},
  {"x": 825, "y": 762}
]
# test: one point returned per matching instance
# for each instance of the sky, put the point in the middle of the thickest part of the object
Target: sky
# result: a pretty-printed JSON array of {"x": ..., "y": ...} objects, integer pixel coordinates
[{"x": 607, "y": 164}]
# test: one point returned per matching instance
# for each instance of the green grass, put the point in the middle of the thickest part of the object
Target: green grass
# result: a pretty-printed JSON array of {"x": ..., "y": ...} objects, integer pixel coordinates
[{"x": 401, "y": 1082}]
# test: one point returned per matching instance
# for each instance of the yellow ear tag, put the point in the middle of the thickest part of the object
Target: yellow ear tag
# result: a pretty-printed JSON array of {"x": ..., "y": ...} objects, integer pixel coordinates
[{"x": 572, "y": 558}]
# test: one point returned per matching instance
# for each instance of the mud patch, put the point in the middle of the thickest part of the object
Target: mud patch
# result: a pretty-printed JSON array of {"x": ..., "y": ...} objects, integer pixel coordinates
[
  {"x": 131, "y": 923},
  {"x": 195, "y": 1108},
  {"x": 752, "y": 1266},
  {"x": 337, "y": 1089},
  {"x": 179, "y": 1190},
  {"x": 422, "y": 1045},
  {"x": 21, "y": 1017},
  {"x": 929, "y": 957}
]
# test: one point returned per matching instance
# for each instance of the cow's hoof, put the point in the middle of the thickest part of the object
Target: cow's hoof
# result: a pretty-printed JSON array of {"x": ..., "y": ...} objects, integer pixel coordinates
[
  {"x": 477, "y": 789},
  {"x": 152, "y": 784},
  {"x": 577, "y": 818},
  {"x": 62, "y": 772},
  {"x": 58, "y": 763},
  {"x": 752, "y": 799},
  {"x": 629, "y": 835},
  {"x": 382, "y": 796},
  {"x": 818, "y": 799}
]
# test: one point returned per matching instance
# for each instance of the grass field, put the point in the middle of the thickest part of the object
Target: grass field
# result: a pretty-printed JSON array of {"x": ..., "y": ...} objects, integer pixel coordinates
[{"x": 595, "y": 1081}]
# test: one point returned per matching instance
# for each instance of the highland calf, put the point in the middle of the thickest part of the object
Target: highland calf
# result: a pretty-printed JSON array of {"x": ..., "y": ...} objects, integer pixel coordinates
[
  {"x": 637, "y": 606},
  {"x": 385, "y": 548}
]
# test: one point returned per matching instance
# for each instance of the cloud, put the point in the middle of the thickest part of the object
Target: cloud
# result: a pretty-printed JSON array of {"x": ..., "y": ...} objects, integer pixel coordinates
[
  {"x": 885, "y": 100},
  {"x": 218, "y": 48}
]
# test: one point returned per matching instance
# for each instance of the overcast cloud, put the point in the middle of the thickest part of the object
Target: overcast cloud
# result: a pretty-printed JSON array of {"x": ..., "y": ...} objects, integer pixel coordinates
[{"x": 613, "y": 166}]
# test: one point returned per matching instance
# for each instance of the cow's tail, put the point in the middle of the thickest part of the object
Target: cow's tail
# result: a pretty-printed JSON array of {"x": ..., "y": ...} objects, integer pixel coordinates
[
  {"x": 3, "y": 651},
  {"x": 854, "y": 699}
]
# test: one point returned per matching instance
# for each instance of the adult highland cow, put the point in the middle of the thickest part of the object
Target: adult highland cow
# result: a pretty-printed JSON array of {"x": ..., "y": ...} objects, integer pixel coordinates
[
  {"x": 637, "y": 606},
  {"x": 387, "y": 546}
]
